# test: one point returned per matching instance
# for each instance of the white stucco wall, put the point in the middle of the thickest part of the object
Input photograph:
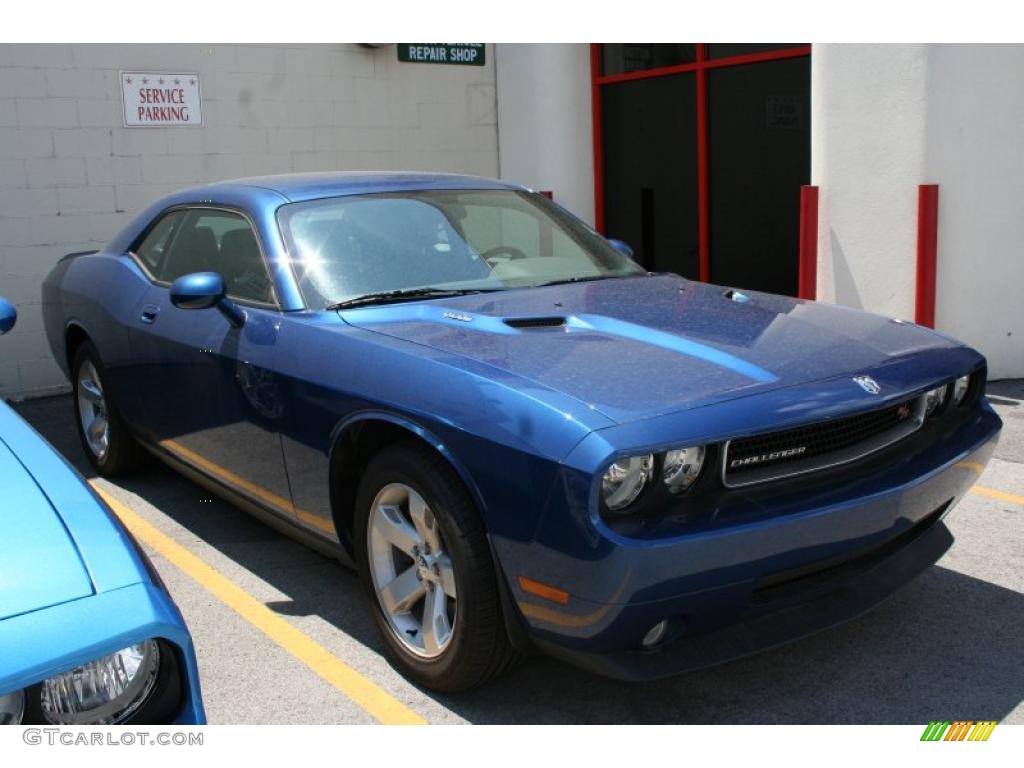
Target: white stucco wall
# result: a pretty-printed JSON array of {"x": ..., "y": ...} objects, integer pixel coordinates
[
  {"x": 886, "y": 118},
  {"x": 867, "y": 157},
  {"x": 975, "y": 152},
  {"x": 71, "y": 175},
  {"x": 544, "y": 121}
]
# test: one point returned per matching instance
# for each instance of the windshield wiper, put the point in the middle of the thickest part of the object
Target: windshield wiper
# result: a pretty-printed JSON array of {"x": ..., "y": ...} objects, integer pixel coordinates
[
  {"x": 586, "y": 279},
  {"x": 405, "y": 294}
]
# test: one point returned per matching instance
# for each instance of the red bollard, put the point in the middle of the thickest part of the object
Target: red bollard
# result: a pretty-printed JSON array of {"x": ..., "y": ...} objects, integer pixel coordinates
[
  {"x": 807, "y": 276},
  {"x": 927, "y": 253}
]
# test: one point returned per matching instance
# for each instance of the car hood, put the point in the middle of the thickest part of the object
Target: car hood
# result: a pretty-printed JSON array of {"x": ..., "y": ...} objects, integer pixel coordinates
[
  {"x": 58, "y": 541},
  {"x": 39, "y": 563},
  {"x": 637, "y": 347}
]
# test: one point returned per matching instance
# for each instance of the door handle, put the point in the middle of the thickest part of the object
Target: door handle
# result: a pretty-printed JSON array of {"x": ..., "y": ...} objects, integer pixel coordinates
[{"x": 149, "y": 314}]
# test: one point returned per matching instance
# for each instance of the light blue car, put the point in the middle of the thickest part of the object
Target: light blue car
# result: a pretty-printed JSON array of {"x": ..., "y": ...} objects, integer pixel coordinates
[{"x": 88, "y": 633}]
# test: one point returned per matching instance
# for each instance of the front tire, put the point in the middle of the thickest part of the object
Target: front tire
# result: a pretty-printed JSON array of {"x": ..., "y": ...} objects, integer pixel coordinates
[
  {"x": 107, "y": 443},
  {"x": 427, "y": 571}
]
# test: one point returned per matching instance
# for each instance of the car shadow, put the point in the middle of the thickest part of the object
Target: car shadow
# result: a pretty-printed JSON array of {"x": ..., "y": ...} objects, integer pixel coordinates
[{"x": 944, "y": 647}]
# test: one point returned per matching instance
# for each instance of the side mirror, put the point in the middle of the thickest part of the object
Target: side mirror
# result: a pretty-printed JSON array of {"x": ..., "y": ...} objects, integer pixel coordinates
[
  {"x": 622, "y": 248},
  {"x": 8, "y": 316},
  {"x": 202, "y": 290}
]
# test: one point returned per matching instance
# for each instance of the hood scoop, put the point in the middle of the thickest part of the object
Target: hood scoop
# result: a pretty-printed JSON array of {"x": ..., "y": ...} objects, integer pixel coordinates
[{"x": 535, "y": 322}]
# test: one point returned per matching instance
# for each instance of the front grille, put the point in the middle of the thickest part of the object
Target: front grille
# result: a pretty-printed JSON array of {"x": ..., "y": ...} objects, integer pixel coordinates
[{"x": 816, "y": 446}]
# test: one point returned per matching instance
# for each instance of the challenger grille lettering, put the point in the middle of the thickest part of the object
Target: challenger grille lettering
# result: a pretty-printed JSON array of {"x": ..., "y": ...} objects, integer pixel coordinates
[{"x": 788, "y": 453}]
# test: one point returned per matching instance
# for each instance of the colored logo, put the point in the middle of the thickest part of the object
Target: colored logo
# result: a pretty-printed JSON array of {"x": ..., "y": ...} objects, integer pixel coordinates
[
  {"x": 868, "y": 384},
  {"x": 959, "y": 730}
]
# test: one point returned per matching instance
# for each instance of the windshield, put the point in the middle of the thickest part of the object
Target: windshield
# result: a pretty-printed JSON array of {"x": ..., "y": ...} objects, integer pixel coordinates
[{"x": 342, "y": 248}]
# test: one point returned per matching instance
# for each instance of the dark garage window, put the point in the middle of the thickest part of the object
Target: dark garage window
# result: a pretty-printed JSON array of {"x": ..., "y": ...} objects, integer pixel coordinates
[
  {"x": 650, "y": 198},
  {"x": 622, "y": 58},
  {"x": 759, "y": 134},
  {"x": 701, "y": 150}
]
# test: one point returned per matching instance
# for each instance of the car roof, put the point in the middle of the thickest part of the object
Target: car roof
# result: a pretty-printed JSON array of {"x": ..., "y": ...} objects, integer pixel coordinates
[
  {"x": 264, "y": 194},
  {"x": 310, "y": 186}
]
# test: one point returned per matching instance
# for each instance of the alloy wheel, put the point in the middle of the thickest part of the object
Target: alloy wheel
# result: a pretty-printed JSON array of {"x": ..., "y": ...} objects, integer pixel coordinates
[
  {"x": 413, "y": 576},
  {"x": 92, "y": 410}
]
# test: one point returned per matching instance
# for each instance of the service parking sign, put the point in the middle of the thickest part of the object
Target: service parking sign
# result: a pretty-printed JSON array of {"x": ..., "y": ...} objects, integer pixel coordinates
[{"x": 160, "y": 99}]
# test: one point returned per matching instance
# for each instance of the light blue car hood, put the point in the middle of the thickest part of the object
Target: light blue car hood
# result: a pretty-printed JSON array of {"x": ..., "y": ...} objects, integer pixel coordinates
[
  {"x": 39, "y": 563},
  {"x": 58, "y": 541}
]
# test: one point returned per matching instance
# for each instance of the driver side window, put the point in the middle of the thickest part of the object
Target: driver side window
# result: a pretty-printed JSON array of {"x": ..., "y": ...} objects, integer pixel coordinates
[{"x": 210, "y": 240}]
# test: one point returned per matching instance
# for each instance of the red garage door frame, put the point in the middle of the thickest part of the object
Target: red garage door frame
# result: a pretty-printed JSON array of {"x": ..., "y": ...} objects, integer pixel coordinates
[{"x": 700, "y": 67}]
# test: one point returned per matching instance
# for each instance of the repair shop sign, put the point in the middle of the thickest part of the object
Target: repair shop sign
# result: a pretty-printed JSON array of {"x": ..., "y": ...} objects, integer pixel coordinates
[
  {"x": 466, "y": 54},
  {"x": 160, "y": 99}
]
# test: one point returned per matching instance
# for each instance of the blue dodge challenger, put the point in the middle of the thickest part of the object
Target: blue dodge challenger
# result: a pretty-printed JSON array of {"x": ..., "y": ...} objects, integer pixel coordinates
[
  {"x": 88, "y": 633},
  {"x": 519, "y": 437}
]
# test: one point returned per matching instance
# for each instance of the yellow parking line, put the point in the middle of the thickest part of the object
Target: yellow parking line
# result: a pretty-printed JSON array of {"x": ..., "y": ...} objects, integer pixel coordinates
[
  {"x": 1001, "y": 495},
  {"x": 378, "y": 703},
  {"x": 992, "y": 493},
  {"x": 978, "y": 468}
]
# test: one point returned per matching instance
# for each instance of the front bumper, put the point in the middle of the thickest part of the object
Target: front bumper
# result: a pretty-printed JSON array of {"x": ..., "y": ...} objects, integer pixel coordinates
[
  {"x": 769, "y": 626},
  {"x": 816, "y": 559}
]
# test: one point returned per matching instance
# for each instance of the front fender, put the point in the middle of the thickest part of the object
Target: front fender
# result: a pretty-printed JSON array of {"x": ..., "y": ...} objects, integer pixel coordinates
[{"x": 411, "y": 425}]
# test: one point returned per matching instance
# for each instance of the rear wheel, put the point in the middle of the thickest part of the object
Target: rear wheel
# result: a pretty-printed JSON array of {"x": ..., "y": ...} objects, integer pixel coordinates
[
  {"x": 427, "y": 571},
  {"x": 108, "y": 444}
]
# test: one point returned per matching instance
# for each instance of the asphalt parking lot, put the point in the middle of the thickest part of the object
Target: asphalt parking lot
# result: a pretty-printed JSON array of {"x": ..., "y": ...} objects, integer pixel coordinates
[{"x": 948, "y": 646}]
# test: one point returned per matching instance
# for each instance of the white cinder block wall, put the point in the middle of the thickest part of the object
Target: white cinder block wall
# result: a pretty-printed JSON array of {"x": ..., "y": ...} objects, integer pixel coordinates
[{"x": 71, "y": 175}]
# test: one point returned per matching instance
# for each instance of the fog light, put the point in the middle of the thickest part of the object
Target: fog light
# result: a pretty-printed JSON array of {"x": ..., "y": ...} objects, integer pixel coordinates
[
  {"x": 655, "y": 634},
  {"x": 960, "y": 387},
  {"x": 933, "y": 398},
  {"x": 12, "y": 707}
]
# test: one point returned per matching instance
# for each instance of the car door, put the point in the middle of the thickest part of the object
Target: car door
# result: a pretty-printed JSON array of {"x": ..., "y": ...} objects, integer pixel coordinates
[{"x": 206, "y": 392}]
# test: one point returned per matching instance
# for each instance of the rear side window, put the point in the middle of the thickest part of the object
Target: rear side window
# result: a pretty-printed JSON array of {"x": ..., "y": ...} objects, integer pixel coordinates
[{"x": 153, "y": 248}]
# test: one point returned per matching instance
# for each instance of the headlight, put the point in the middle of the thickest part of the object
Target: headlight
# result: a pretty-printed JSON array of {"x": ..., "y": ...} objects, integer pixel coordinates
[
  {"x": 960, "y": 387},
  {"x": 12, "y": 708},
  {"x": 682, "y": 467},
  {"x": 105, "y": 691},
  {"x": 933, "y": 398},
  {"x": 625, "y": 479}
]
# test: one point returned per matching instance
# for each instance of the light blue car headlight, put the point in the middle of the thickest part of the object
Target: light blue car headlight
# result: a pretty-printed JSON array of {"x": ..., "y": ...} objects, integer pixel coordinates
[
  {"x": 12, "y": 707},
  {"x": 105, "y": 691}
]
